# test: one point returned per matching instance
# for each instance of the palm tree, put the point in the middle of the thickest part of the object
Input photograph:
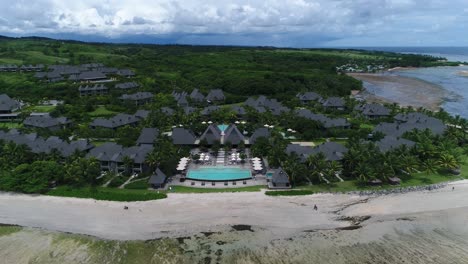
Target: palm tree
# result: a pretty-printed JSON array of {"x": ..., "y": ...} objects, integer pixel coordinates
[
  {"x": 447, "y": 161},
  {"x": 128, "y": 164},
  {"x": 429, "y": 166},
  {"x": 153, "y": 159}
]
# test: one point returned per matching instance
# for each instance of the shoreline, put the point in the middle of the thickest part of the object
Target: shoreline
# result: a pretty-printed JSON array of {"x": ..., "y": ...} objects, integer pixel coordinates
[
  {"x": 404, "y": 91},
  {"x": 188, "y": 214}
]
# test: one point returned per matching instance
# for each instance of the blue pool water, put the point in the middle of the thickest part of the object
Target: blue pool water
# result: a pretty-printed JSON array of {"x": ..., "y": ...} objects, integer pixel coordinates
[
  {"x": 219, "y": 174},
  {"x": 222, "y": 127}
]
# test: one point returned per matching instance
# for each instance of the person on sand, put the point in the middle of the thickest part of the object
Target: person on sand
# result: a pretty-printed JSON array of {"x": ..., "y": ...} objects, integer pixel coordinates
[
  {"x": 453, "y": 188},
  {"x": 315, "y": 207}
]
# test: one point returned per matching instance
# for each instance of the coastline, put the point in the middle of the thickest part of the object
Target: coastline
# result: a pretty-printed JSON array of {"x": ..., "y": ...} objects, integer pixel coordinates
[
  {"x": 404, "y": 91},
  {"x": 417, "y": 227}
]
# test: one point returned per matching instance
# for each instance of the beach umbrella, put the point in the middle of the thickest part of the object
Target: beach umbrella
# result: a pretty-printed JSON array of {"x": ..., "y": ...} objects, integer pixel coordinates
[
  {"x": 256, "y": 158},
  {"x": 258, "y": 168},
  {"x": 204, "y": 122},
  {"x": 266, "y": 125},
  {"x": 180, "y": 125},
  {"x": 209, "y": 122},
  {"x": 243, "y": 122},
  {"x": 271, "y": 126},
  {"x": 290, "y": 130},
  {"x": 237, "y": 122}
]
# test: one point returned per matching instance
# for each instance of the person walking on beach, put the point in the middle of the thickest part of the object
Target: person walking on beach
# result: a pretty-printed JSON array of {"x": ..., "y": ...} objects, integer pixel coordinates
[
  {"x": 453, "y": 188},
  {"x": 315, "y": 207}
]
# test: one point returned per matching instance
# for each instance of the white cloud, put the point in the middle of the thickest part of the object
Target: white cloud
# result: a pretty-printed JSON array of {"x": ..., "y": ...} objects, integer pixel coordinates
[{"x": 326, "y": 18}]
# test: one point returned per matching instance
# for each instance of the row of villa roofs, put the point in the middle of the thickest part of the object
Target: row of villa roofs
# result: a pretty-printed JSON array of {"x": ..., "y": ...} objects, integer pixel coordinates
[
  {"x": 138, "y": 98},
  {"x": 40, "y": 145},
  {"x": 110, "y": 155},
  {"x": 373, "y": 110},
  {"x": 324, "y": 120},
  {"x": 46, "y": 122},
  {"x": 23, "y": 68},
  {"x": 408, "y": 122},
  {"x": 215, "y": 95},
  {"x": 91, "y": 90},
  {"x": 332, "y": 151},
  {"x": 127, "y": 86},
  {"x": 183, "y": 136},
  {"x": 330, "y": 102},
  {"x": 262, "y": 103},
  {"x": 119, "y": 120},
  {"x": 95, "y": 72}
]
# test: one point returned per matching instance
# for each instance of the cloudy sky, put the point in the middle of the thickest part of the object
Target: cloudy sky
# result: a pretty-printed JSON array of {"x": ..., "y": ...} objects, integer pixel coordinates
[{"x": 292, "y": 23}]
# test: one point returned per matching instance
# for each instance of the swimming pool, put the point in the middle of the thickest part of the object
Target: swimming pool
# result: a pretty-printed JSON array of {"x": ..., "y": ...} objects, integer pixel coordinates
[
  {"x": 222, "y": 127},
  {"x": 219, "y": 174}
]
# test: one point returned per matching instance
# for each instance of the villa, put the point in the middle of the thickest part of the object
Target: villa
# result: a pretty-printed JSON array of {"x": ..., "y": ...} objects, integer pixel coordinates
[
  {"x": 120, "y": 120},
  {"x": 158, "y": 179},
  {"x": 197, "y": 96},
  {"x": 148, "y": 136},
  {"x": 8, "y": 107},
  {"x": 97, "y": 89},
  {"x": 182, "y": 136},
  {"x": 127, "y": 86},
  {"x": 139, "y": 98},
  {"x": 279, "y": 179},
  {"x": 215, "y": 95},
  {"x": 309, "y": 97},
  {"x": 46, "y": 122},
  {"x": 334, "y": 103},
  {"x": 373, "y": 111}
]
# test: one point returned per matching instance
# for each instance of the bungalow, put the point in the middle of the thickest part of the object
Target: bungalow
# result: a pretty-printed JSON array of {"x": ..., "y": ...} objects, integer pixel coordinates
[
  {"x": 324, "y": 120},
  {"x": 7, "y": 108},
  {"x": 112, "y": 157},
  {"x": 91, "y": 76},
  {"x": 389, "y": 143},
  {"x": 158, "y": 179},
  {"x": 239, "y": 110},
  {"x": 397, "y": 129},
  {"x": 373, "y": 111},
  {"x": 209, "y": 110},
  {"x": 46, "y": 122},
  {"x": 120, "y": 120},
  {"x": 334, "y": 103},
  {"x": 215, "y": 95},
  {"x": 189, "y": 110},
  {"x": 139, "y": 98},
  {"x": 262, "y": 132},
  {"x": 142, "y": 114},
  {"x": 197, "y": 96},
  {"x": 279, "y": 179},
  {"x": 127, "y": 86},
  {"x": 212, "y": 134},
  {"x": 308, "y": 97},
  {"x": 148, "y": 136},
  {"x": 331, "y": 150},
  {"x": 8, "y": 68},
  {"x": 182, "y": 136},
  {"x": 233, "y": 135},
  {"x": 126, "y": 73},
  {"x": 97, "y": 89},
  {"x": 167, "y": 111}
]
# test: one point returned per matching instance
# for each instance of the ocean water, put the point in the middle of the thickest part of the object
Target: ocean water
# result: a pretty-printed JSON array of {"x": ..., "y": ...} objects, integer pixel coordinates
[{"x": 448, "y": 78}]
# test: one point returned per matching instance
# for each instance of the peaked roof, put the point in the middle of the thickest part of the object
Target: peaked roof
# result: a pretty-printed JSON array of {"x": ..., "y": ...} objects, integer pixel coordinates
[
  {"x": 137, "y": 96},
  {"x": 8, "y": 104},
  {"x": 182, "y": 136},
  {"x": 196, "y": 95},
  {"x": 157, "y": 178},
  {"x": 280, "y": 176},
  {"x": 115, "y": 121},
  {"x": 389, "y": 143},
  {"x": 258, "y": 133},
  {"x": 309, "y": 96},
  {"x": 333, "y": 102},
  {"x": 373, "y": 110},
  {"x": 45, "y": 121},
  {"x": 148, "y": 136},
  {"x": 233, "y": 135},
  {"x": 215, "y": 95},
  {"x": 211, "y": 134}
]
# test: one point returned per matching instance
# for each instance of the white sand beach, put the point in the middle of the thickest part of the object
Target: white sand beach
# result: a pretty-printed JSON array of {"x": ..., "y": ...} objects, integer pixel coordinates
[{"x": 187, "y": 214}]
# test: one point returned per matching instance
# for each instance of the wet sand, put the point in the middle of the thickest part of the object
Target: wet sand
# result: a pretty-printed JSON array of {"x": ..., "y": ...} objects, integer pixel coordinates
[
  {"x": 402, "y": 90},
  {"x": 418, "y": 227}
]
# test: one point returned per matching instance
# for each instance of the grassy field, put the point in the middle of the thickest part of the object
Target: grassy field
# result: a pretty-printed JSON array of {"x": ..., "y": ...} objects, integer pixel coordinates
[
  {"x": 42, "y": 108},
  {"x": 101, "y": 111},
  {"x": 184, "y": 189},
  {"x": 10, "y": 125},
  {"x": 107, "y": 194}
]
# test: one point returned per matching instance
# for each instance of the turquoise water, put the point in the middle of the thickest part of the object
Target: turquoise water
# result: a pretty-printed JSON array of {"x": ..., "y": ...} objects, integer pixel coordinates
[
  {"x": 222, "y": 127},
  {"x": 269, "y": 174},
  {"x": 219, "y": 174}
]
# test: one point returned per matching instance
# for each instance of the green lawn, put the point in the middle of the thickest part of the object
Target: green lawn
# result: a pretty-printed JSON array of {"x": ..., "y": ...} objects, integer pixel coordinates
[
  {"x": 42, "y": 108},
  {"x": 138, "y": 185},
  {"x": 11, "y": 61},
  {"x": 39, "y": 57},
  {"x": 184, "y": 189},
  {"x": 10, "y": 125},
  {"x": 107, "y": 194},
  {"x": 369, "y": 126},
  {"x": 101, "y": 111}
]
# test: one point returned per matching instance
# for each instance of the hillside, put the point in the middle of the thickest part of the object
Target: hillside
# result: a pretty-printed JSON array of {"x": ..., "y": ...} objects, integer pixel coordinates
[{"x": 240, "y": 71}]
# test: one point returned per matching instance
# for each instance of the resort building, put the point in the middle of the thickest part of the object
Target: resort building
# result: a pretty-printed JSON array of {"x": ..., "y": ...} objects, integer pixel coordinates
[
  {"x": 262, "y": 132},
  {"x": 279, "y": 179},
  {"x": 139, "y": 98},
  {"x": 158, "y": 179},
  {"x": 409, "y": 122},
  {"x": 112, "y": 157},
  {"x": 189, "y": 110},
  {"x": 120, "y": 120},
  {"x": 182, "y": 136},
  {"x": 373, "y": 111},
  {"x": 167, "y": 111},
  {"x": 239, "y": 110},
  {"x": 197, "y": 96},
  {"x": 8, "y": 107},
  {"x": 389, "y": 143},
  {"x": 46, "y": 122},
  {"x": 209, "y": 110},
  {"x": 324, "y": 120},
  {"x": 332, "y": 151},
  {"x": 215, "y": 95},
  {"x": 127, "y": 86},
  {"x": 148, "y": 136},
  {"x": 211, "y": 135},
  {"x": 126, "y": 73},
  {"x": 232, "y": 135},
  {"x": 334, "y": 103},
  {"x": 97, "y": 89},
  {"x": 309, "y": 97},
  {"x": 89, "y": 76}
]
